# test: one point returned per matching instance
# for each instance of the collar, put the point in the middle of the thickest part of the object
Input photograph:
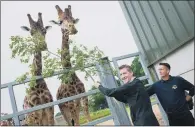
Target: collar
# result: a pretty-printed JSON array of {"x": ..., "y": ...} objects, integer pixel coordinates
[
  {"x": 170, "y": 78},
  {"x": 132, "y": 79}
]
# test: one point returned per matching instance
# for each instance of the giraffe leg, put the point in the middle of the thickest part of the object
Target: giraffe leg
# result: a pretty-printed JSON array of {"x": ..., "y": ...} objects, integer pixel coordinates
[
  {"x": 50, "y": 116},
  {"x": 86, "y": 108},
  {"x": 32, "y": 119},
  {"x": 77, "y": 107},
  {"x": 39, "y": 117},
  {"x": 44, "y": 118},
  {"x": 74, "y": 116},
  {"x": 73, "y": 112},
  {"x": 66, "y": 113}
]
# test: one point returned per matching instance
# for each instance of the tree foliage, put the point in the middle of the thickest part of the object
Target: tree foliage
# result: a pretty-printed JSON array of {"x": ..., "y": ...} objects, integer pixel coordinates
[
  {"x": 81, "y": 56},
  {"x": 26, "y": 47},
  {"x": 137, "y": 69},
  {"x": 97, "y": 101}
]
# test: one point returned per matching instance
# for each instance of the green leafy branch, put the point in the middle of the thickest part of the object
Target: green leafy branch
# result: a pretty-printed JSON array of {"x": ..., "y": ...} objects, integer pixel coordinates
[
  {"x": 24, "y": 48},
  {"x": 79, "y": 55}
]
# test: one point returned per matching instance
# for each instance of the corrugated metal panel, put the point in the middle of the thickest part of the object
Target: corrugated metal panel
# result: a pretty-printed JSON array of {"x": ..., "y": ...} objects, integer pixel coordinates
[{"x": 159, "y": 27}]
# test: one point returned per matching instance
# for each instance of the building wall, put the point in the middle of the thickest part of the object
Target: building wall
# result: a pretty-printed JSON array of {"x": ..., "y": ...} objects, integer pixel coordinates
[
  {"x": 159, "y": 27},
  {"x": 182, "y": 62}
]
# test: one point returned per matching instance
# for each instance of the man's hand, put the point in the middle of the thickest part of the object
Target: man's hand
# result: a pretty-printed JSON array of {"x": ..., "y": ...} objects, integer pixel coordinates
[
  {"x": 188, "y": 97},
  {"x": 97, "y": 83}
]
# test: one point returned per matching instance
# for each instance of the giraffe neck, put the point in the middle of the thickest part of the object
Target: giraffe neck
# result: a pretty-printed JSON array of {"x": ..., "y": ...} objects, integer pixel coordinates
[
  {"x": 65, "y": 55},
  {"x": 37, "y": 63}
]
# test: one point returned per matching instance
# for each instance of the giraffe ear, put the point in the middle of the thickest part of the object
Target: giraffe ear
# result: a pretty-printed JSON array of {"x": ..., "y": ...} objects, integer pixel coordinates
[
  {"x": 25, "y": 28},
  {"x": 76, "y": 21},
  {"x": 48, "y": 28}
]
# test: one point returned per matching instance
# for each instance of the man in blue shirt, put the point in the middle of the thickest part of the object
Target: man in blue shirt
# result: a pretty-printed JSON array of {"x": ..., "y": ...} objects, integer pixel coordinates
[
  {"x": 170, "y": 91},
  {"x": 133, "y": 93}
]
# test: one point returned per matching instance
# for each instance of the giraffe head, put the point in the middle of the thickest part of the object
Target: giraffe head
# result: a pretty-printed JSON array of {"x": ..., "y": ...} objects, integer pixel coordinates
[
  {"x": 65, "y": 20},
  {"x": 37, "y": 27}
]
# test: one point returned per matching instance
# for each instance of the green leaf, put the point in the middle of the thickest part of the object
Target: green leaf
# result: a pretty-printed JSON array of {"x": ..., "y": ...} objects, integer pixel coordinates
[
  {"x": 79, "y": 55},
  {"x": 21, "y": 78}
]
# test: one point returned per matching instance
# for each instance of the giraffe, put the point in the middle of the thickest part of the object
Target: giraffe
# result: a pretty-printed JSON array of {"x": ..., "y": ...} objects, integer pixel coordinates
[
  {"x": 70, "y": 110},
  {"x": 39, "y": 94},
  {"x": 8, "y": 122}
]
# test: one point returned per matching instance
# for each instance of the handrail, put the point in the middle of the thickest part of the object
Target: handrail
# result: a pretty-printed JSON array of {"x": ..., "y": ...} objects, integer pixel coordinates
[
  {"x": 39, "y": 77},
  {"x": 51, "y": 104}
]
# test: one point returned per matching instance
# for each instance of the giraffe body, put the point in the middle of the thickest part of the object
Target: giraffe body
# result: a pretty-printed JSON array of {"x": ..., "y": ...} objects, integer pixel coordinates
[
  {"x": 70, "y": 110},
  {"x": 8, "y": 122},
  {"x": 39, "y": 94}
]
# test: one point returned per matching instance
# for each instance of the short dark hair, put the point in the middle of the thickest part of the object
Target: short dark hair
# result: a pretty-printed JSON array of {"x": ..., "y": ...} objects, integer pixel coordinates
[
  {"x": 166, "y": 65},
  {"x": 126, "y": 66}
]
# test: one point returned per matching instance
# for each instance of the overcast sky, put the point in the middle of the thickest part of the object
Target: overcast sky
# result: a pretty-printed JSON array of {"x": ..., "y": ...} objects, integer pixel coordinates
[{"x": 101, "y": 24}]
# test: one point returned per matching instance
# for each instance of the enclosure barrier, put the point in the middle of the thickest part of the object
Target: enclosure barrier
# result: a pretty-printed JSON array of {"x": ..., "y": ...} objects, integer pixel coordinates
[
  {"x": 118, "y": 111},
  {"x": 147, "y": 76}
]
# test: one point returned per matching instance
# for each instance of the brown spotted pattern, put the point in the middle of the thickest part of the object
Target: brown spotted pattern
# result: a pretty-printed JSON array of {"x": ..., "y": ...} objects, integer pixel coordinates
[
  {"x": 39, "y": 94},
  {"x": 71, "y": 109}
]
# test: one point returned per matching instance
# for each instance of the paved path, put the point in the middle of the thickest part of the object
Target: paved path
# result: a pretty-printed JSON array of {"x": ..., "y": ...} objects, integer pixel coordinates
[{"x": 156, "y": 112}]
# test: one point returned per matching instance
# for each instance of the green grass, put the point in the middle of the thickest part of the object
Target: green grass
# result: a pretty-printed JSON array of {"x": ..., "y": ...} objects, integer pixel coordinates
[
  {"x": 99, "y": 114},
  {"x": 95, "y": 115},
  {"x": 152, "y": 99},
  {"x": 103, "y": 113}
]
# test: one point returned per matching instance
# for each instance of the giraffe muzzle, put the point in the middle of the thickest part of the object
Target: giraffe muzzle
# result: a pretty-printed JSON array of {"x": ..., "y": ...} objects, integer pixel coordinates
[
  {"x": 74, "y": 32},
  {"x": 43, "y": 47}
]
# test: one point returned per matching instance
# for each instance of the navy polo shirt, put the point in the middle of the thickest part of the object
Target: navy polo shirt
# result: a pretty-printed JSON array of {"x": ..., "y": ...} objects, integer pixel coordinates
[{"x": 171, "y": 93}]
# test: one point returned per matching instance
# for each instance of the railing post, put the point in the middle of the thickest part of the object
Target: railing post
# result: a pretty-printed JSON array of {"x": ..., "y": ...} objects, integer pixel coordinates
[
  {"x": 14, "y": 106},
  {"x": 146, "y": 71},
  {"x": 117, "y": 108},
  {"x": 117, "y": 66}
]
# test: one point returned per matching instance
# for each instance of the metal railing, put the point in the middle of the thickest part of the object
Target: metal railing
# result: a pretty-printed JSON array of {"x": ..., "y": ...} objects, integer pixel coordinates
[
  {"x": 147, "y": 76},
  {"x": 15, "y": 115}
]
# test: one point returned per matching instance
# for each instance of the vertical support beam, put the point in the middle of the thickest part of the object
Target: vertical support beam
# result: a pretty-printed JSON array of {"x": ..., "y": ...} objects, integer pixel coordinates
[
  {"x": 164, "y": 115},
  {"x": 153, "y": 71},
  {"x": 146, "y": 71},
  {"x": 117, "y": 108},
  {"x": 141, "y": 60},
  {"x": 116, "y": 67},
  {"x": 14, "y": 106}
]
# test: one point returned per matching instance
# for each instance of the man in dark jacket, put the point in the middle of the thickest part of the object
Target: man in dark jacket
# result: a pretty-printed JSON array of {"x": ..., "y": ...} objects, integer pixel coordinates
[
  {"x": 133, "y": 93},
  {"x": 170, "y": 91}
]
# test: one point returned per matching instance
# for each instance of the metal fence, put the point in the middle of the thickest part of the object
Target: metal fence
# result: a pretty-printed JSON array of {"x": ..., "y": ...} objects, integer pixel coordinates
[
  {"x": 118, "y": 111},
  {"x": 147, "y": 76}
]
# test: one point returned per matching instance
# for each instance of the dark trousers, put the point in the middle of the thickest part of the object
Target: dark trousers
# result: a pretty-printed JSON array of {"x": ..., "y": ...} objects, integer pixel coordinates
[
  {"x": 181, "y": 119},
  {"x": 146, "y": 119}
]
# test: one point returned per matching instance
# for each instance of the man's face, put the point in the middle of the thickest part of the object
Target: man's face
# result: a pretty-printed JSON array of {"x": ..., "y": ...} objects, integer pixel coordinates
[
  {"x": 126, "y": 76},
  {"x": 163, "y": 71}
]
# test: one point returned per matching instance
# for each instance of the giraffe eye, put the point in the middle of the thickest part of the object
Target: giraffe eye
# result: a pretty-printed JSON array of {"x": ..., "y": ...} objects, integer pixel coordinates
[
  {"x": 60, "y": 22},
  {"x": 44, "y": 31}
]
